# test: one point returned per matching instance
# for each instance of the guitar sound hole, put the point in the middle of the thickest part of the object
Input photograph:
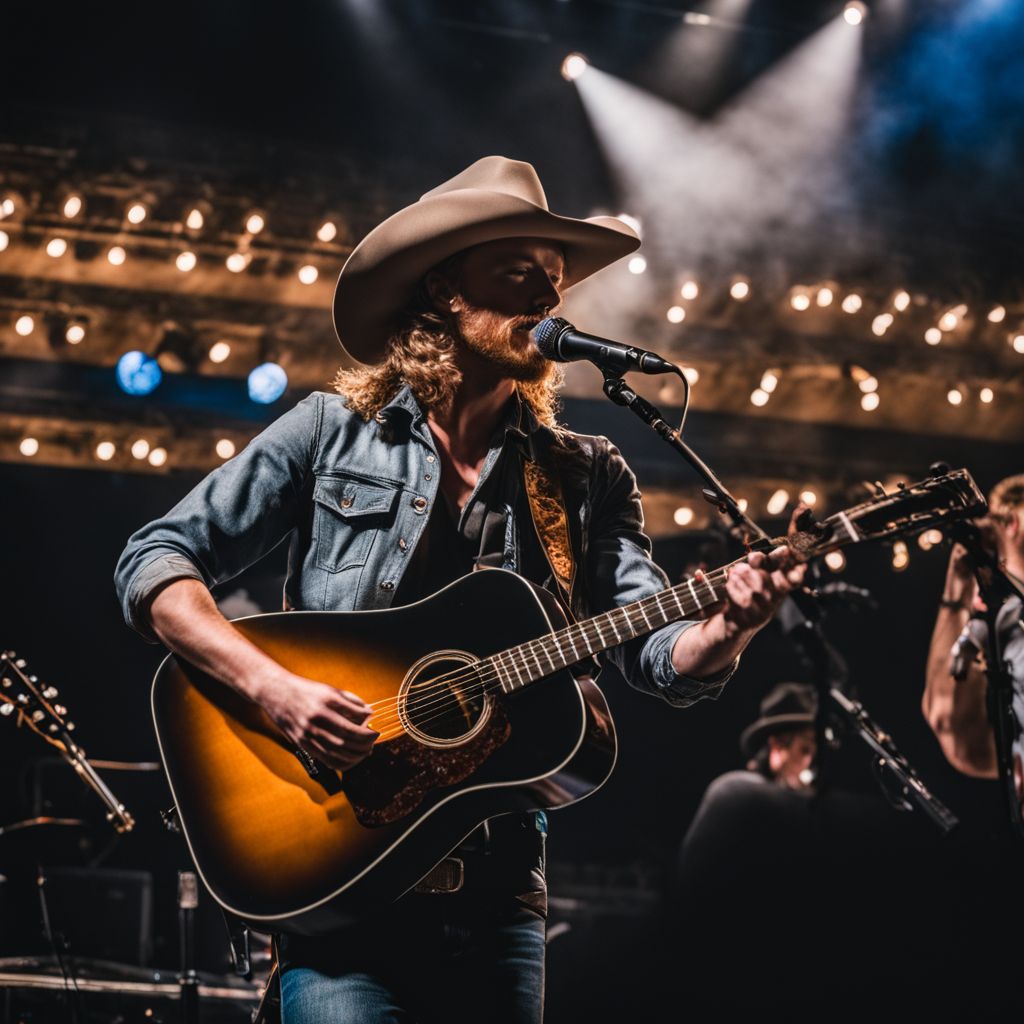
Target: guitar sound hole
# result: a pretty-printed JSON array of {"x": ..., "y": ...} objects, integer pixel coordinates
[{"x": 444, "y": 699}]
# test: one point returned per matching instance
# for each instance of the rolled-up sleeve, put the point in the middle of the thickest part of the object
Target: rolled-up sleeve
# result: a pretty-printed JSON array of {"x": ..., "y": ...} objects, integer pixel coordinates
[
  {"x": 620, "y": 570},
  {"x": 230, "y": 519}
]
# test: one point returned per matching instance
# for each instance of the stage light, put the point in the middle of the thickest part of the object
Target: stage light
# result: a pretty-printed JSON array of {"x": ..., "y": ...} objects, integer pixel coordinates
[
  {"x": 74, "y": 334},
  {"x": 836, "y": 561},
  {"x": 1018, "y": 343},
  {"x": 675, "y": 314},
  {"x": 683, "y": 515},
  {"x": 308, "y": 274},
  {"x": 868, "y": 384},
  {"x": 870, "y": 401},
  {"x": 5, "y": 240},
  {"x": 140, "y": 448},
  {"x": 854, "y": 13},
  {"x": 800, "y": 301},
  {"x": 954, "y": 396},
  {"x": 25, "y": 325},
  {"x": 116, "y": 255},
  {"x": 72, "y": 205},
  {"x": 327, "y": 231},
  {"x": 881, "y": 323},
  {"x": 900, "y": 556},
  {"x": 637, "y": 265},
  {"x": 267, "y": 383},
  {"x": 195, "y": 219},
  {"x": 743, "y": 504},
  {"x": 237, "y": 262},
  {"x": 106, "y": 450},
  {"x": 28, "y": 447},
  {"x": 740, "y": 290},
  {"x": 852, "y": 303},
  {"x": 136, "y": 213},
  {"x": 7, "y": 207},
  {"x": 219, "y": 351},
  {"x": 777, "y": 502},
  {"x": 138, "y": 373},
  {"x": 573, "y": 66},
  {"x": 628, "y": 218},
  {"x": 225, "y": 448},
  {"x": 255, "y": 223},
  {"x": 186, "y": 261},
  {"x": 769, "y": 381},
  {"x": 901, "y": 300},
  {"x": 809, "y": 498},
  {"x": 691, "y": 374},
  {"x": 933, "y": 336},
  {"x": 986, "y": 395},
  {"x": 825, "y": 297},
  {"x": 690, "y": 290},
  {"x": 56, "y": 247},
  {"x": 759, "y": 397},
  {"x": 158, "y": 457},
  {"x": 696, "y": 18},
  {"x": 997, "y": 314}
]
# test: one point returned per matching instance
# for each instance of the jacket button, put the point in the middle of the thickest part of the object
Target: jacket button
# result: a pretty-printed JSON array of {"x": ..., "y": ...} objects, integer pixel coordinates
[
  {"x": 430, "y": 458},
  {"x": 387, "y": 585},
  {"x": 346, "y": 502},
  {"x": 419, "y": 504},
  {"x": 402, "y": 544},
  {"x": 427, "y": 476}
]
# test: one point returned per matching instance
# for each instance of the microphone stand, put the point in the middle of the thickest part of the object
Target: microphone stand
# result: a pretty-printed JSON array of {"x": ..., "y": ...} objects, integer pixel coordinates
[{"x": 804, "y": 613}]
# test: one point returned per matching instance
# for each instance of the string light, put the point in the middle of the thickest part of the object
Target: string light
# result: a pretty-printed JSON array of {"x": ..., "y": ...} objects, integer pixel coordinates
[
  {"x": 106, "y": 450},
  {"x": 72, "y": 205},
  {"x": 308, "y": 274},
  {"x": 852, "y": 303},
  {"x": 881, "y": 323},
  {"x": 628, "y": 218},
  {"x": 759, "y": 397},
  {"x": 954, "y": 396},
  {"x": 56, "y": 247},
  {"x": 29, "y": 446},
  {"x": 225, "y": 448},
  {"x": 691, "y": 374},
  {"x": 136, "y": 213},
  {"x": 1018, "y": 343},
  {"x": 140, "y": 448},
  {"x": 74, "y": 334},
  {"x": 870, "y": 401},
  {"x": 675, "y": 314},
  {"x": 24, "y": 325},
  {"x": 900, "y": 556},
  {"x": 809, "y": 498},
  {"x": 769, "y": 381},
  {"x": 573, "y": 66},
  {"x": 683, "y": 515},
  {"x": 116, "y": 255},
  {"x": 219, "y": 351},
  {"x": 868, "y": 384},
  {"x": 690, "y": 290},
  {"x": 740, "y": 290},
  {"x": 186, "y": 261},
  {"x": 237, "y": 262},
  {"x": 7, "y": 207},
  {"x": 158, "y": 457},
  {"x": 327, "y": 231},
  {"x": 255, "y": 223},
  {"x": 997, "y": 314},
  {"x": 836, "y": 561},
  {"x": 5, "y": 240},
  {"x": 800, "y": 301},
  {"x": 901, "y": 300},
  {"x": 825, "y": 297},
  {"x": 195, "y": 220},
  {"x": 986, "y": 395},
  {"x": 933, "y": 336},
  {"x": 637, "y": 265},
  {"x": 743, "y": 504},
  {"x": 777, "y": 502}
]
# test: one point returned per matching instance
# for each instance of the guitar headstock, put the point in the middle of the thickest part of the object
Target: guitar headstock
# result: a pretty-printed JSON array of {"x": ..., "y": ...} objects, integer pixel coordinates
[
  {"x": 905, "y": 512},
  {"x": 22, "y": 694}
]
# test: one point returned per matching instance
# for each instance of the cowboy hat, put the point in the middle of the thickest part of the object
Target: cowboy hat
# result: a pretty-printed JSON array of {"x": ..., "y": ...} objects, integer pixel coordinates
[
  {"x": 491, "y": 199},
  {"x": 788, "y": 706}
]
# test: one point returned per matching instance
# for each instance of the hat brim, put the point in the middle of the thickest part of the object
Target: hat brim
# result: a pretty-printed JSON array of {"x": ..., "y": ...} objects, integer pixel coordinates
[
  {"x": 383, "y": 271},
  {"x": 753, "y": 737}
]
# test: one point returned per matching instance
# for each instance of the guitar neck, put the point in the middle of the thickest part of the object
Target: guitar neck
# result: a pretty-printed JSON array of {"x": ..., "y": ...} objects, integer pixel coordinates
[{"x": 519, "y": 666}]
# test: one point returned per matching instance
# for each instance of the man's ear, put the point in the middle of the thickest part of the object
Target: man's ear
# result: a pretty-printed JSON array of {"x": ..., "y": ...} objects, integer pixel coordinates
[{"x": 442, "y": 295}]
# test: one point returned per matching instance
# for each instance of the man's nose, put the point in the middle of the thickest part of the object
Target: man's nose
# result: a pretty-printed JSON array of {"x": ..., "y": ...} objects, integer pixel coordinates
[{"x": 547, "y": 298}]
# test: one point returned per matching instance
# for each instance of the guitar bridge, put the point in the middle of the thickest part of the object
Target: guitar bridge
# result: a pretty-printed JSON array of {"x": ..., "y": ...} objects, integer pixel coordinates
[{"x": 318, "y": 771}]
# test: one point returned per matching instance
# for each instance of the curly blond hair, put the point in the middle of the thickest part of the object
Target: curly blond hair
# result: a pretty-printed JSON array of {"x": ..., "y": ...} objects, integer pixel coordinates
[{"x": 421, "y": 353}]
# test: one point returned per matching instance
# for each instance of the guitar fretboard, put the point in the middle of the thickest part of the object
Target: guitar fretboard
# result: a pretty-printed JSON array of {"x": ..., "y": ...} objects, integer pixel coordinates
[{"x": 518, "y": 666}]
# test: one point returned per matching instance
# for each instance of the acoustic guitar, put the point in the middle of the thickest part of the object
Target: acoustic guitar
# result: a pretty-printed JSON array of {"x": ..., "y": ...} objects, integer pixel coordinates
[{"x": 478, "y": 715}]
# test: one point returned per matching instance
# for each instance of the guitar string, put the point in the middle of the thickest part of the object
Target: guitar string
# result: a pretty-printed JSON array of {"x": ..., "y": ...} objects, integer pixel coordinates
[
  {"x": 487, "y": 671},
  {"x": 504, "y": 659}
]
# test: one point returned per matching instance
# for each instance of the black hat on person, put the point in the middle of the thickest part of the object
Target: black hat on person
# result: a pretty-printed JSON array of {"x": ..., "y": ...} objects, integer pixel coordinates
[{"x": 787, "y": 706}]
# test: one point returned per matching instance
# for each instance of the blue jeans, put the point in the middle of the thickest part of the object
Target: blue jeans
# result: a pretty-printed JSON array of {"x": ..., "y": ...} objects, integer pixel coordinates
[{"x": 422, "y": 963}]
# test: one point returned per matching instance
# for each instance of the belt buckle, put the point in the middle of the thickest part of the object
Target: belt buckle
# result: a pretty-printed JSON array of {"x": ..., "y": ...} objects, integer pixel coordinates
[{"x": 445, "y": 877}]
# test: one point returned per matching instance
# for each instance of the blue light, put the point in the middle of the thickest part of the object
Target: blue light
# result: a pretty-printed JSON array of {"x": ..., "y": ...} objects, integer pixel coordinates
[
  {"x": 137, "y": 373},
  {"x": 267, "y": 383}
]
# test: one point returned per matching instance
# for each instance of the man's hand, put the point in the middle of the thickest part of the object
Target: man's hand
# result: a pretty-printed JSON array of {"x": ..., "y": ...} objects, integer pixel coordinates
[
  {"x": 326, "y": 723},
  {"x": 756, "y": 588}
]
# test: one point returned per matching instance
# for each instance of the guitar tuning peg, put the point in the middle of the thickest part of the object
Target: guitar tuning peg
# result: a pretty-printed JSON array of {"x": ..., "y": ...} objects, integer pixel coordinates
[
  {"x": 50, "y": 692},
  {"x": 38, "y": 716},
  {"x": 6, "y": 709},
  {"x": 879, "y": 489},
  {"x": 19, "y": 663},
  {"x": 60, "y": 709},
  {"x": 6, "y": 682},
  {"x": 901, "y": 486}
]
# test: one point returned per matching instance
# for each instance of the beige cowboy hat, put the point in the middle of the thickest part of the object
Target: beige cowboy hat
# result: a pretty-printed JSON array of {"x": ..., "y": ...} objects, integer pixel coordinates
[{"x": 491, "y": 199}]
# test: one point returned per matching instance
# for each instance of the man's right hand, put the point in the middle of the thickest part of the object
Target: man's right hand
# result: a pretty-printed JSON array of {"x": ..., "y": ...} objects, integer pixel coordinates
[{"x": 326, "y": 723}]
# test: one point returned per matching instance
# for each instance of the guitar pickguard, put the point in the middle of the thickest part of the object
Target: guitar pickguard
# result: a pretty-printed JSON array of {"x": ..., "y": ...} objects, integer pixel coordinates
[{"x": 393, "y": 781}]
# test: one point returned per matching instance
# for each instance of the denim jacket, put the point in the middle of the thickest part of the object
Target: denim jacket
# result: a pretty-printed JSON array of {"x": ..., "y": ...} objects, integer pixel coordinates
[{"x": 354, "y": 497}]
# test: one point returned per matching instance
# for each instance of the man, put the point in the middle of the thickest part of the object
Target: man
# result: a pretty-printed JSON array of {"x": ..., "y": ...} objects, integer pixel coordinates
[
  {"x": 954, "y": 700},
  {"x": 409, "y": 477}
]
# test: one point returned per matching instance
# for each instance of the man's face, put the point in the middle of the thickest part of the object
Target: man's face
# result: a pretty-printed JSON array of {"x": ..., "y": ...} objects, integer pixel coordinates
[
  {"x": 505, "y": 289},
  {"x": 790, "y": 755}
]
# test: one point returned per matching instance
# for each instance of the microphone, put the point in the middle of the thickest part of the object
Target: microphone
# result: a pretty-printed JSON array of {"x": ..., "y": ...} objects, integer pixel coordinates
[
  {"x": 847, "y": 593},
  {"x": 558, "y": 340}
]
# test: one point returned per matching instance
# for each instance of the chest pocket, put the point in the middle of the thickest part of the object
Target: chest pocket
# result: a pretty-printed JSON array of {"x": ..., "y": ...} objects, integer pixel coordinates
[{"x": 349, "y": 515}]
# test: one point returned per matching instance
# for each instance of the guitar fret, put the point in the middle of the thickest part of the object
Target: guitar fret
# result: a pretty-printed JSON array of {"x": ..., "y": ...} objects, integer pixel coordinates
[
  {"x": 696, "y": 599},
  {"x": 505, "y": 683},
  {"x": 615, "y": 629},
  {"x": 640, "y": 606}
]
